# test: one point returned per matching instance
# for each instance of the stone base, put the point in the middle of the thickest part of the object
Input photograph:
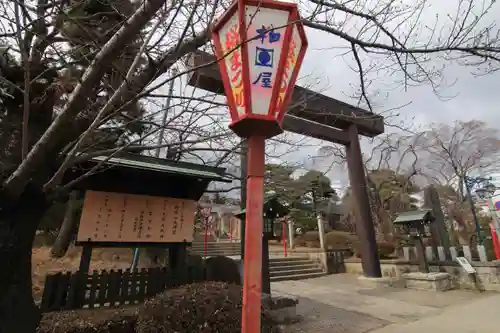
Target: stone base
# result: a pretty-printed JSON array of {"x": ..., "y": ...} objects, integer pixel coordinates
[
  {"x": 381, "y": 281},
  {"x": 428, "y": 281},
  {"x": 282, "y": 308}
]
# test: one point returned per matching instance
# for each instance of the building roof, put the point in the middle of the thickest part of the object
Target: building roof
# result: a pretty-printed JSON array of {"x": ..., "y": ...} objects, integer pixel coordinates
[
  {"x": 420, "y": 215},
  {"x": 164, "y": 166},
  {"x": 145, "y": 175}
]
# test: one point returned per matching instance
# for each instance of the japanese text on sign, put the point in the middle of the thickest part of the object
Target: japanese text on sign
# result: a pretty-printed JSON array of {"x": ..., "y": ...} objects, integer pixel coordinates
[
  {"x": 115, "y": 217},
  {"x": 264, "y": 57},
  {"x": 264, "y": 32},
  {"x": 232, "y": 41},
  {"x": 291, "y": 60}
]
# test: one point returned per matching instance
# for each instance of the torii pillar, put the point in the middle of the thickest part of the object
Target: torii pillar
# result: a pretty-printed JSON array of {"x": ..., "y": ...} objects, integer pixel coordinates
[{"x": 365, "y": 229}]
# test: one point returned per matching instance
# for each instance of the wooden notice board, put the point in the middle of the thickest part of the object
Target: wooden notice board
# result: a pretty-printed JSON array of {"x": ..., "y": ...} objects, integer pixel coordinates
[{"x": 118, "y": 217}]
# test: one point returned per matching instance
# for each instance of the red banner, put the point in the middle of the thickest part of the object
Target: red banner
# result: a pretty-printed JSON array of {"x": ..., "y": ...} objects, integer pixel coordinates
[{"x": 496, "y": 242}]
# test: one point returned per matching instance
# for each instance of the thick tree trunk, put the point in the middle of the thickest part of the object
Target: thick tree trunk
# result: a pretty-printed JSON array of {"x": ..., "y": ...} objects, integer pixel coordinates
[
  {"x": 18, "y": 224},
  {"x": 68, "y": 227}
]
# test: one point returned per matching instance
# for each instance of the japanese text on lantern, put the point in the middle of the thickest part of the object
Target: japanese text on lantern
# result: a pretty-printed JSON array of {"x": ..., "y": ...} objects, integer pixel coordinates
[
  {"x": 264, "y": 56},
  {"x": 291, "y": 60},
  {"x": 235, "y": 71}
]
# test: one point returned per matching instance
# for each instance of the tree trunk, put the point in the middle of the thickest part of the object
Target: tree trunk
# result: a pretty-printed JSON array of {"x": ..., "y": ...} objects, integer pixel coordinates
[
  {"x": 68, "y": 227},
  {"x": 18, "y": 225}
]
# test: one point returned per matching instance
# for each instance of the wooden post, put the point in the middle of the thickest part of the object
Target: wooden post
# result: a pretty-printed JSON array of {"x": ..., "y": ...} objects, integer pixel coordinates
[
  {"x": 266, "y": 280},
  {"x": 85, "y": 259},
  {"x": 364, "y": 223}
]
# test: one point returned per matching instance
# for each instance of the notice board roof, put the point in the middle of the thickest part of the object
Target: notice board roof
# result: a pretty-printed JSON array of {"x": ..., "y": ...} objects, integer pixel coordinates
[{"x": 145, "y": 175}]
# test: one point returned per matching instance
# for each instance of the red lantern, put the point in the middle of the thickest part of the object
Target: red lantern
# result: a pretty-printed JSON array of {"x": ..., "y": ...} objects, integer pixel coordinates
[{"x": 260, "y": 46}]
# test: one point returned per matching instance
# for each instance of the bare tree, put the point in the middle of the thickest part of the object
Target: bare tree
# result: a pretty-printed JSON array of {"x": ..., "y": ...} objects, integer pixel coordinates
[{"x": 450, "y": 152}]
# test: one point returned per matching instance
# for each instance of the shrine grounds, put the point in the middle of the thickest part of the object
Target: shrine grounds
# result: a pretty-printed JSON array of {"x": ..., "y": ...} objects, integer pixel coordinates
[{"x": 340, "y": 303}]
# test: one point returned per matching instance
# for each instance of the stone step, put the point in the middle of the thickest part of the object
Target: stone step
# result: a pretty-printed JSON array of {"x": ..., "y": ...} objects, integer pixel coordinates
[
  {"x": 279, "y": 262},
  {"x": 214, "y": 243},
  {"x": 297, "y": 277},
  {"x": 213, "y": 253},
  {"x": 291, "y": 258},
  {"x": 216, "y": 250},
  {"x": 218, "y": 253},
  {"x": 293, "y": 267},
  {"x": 216, "y": 246},
  {"x": 293, "y": 272}
]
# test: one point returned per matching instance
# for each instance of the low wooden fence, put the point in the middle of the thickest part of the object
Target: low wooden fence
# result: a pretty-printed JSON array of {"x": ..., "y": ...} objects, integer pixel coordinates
[{"x": 74, "y": 290}]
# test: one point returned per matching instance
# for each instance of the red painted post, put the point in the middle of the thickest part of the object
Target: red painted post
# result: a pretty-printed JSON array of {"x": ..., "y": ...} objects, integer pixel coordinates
[
  {"x": 496, "y": 242},
  {"x": 252, "y": 284}
]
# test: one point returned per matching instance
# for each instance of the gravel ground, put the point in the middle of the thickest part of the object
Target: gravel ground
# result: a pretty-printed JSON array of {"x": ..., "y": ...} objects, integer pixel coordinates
[{"x": 317, "y": 317}]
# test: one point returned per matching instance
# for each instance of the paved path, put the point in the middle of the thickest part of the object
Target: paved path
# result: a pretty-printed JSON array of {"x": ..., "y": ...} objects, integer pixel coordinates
[
  {"x": 479, "y": 316},
  {"x": 342, "y": 303}
]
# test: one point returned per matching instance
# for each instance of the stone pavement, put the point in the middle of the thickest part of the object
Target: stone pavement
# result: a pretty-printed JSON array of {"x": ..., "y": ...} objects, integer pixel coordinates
[
  {"x": 343, "y": 303},
  {"x": 478, "y": 316}
]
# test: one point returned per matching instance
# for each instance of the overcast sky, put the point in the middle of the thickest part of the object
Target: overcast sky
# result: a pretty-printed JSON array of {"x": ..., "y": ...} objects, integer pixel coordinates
[{"x": 473, "y": 97}]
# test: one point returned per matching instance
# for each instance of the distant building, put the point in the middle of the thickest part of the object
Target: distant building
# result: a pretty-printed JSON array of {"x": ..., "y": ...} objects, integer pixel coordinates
[{"x": 223, "y": 224}]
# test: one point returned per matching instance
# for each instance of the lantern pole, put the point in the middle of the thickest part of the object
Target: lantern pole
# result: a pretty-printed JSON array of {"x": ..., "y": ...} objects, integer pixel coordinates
[{"x": 252, "y": 284}]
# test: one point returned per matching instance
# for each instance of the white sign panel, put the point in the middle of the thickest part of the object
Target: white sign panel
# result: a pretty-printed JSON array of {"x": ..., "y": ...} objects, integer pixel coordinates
[
  {"x": 466, "y": 265},
  {"x": 264, "y": 52}
]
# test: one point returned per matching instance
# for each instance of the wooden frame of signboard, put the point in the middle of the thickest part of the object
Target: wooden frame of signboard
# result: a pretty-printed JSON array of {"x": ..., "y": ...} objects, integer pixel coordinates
[{"x": 129, "y": 220}]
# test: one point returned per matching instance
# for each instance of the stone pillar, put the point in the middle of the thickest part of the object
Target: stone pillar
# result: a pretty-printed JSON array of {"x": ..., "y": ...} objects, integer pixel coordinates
[
  {"x": 429, "y": 253},
  {"x": 407, "y": 253},
  {"x": 441, "y": 253},
  {"x": 481, "y": 250},
  {"x": 321, "y": 231},
  {"x": 467, "y": 252},
  {"x": 453, "y": 253},
  {"x": 291, "y": 233}
]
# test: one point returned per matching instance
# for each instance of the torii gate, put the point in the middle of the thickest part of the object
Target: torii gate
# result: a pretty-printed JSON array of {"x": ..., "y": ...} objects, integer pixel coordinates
[{"x": 325, "y": 118}]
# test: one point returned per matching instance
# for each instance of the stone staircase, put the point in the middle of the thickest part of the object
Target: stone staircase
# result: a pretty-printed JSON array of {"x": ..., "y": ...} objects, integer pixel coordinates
[
  {"x": 216, "y": 248},
  {"x": 294, "y": 268},
  {"x": 281, "y": 268}
]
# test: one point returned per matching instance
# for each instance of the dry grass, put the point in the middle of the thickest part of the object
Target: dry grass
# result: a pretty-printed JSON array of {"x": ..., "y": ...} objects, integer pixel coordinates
[{"x": 43, "y": 263}]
